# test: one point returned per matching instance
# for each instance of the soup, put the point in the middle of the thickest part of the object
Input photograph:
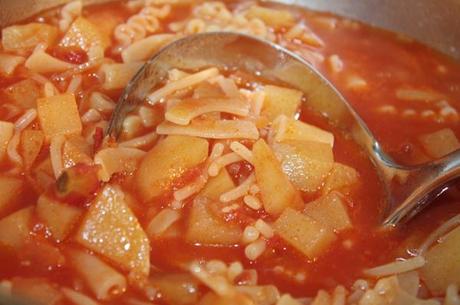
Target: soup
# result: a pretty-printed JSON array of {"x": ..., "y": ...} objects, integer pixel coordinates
[{"x": 223, "y": 187}]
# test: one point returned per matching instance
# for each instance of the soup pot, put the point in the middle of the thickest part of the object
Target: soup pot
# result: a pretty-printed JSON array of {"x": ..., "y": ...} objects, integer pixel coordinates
[{"x": 431, "y": 22}]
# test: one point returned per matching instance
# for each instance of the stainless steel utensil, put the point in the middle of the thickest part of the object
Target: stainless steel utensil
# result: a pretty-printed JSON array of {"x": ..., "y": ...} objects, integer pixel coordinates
[{"x": 409, "y": 189}]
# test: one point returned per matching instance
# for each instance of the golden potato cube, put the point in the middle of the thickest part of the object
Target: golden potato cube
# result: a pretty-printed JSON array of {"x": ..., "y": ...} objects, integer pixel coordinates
[
  {"x": 442, "y": 266},
  {"x": 26, "y": 37},
  {"x": 58, "y": 115},
  {"x": 111, "y": 229},
  {"x": 58, "y": 217},
  {"x": 84, "y": 34},
  {"x": 117, "y": 76},
  {"x": 304, "y": 233},
  {"x": 76, "y": 150},
  {"x": 279, "y": 100},
  {"x": 167, "y": 161},
  {"x": 330, "y": 210},
  {"x": 15, "y": 228},
  {"x": 218, "y": 185},
  {"x": 273, "y": 17},
  {"x": 286, "y": 129},
  {"x": 206, "y": 228},
  {"x": 24, "y": 93},
  {"x": 10, "y": 188},
  {"x": 440, "y": 143},
  {"x": 341, "y": 176},
  {"x": 277, "y": 191},
  {"x": 306, "y": 163},
  {"x": 6, "y": 133},
  {"x": 31, "y": 145}
]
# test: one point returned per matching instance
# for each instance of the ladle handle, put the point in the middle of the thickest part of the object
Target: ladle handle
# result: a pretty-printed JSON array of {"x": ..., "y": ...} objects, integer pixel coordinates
[{"x": 424, "y": 183}]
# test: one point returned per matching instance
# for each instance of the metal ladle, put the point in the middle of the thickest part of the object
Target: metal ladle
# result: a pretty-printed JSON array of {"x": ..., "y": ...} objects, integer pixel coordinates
[{"x": 408, "y": 188}]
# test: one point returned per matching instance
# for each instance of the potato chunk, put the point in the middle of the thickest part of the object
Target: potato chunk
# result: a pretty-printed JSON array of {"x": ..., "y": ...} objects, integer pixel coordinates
[
  {"x": 6, "y": 133},
  {"x": 285, "y": 128},
  {"x": 10, "y": 188},
  {"x": 306, "y": 163},
  {"x": 206, "y": 228},
  {"x": 304, "y": 233},
  {"x": 14, "y": 228},
  {"x": 84, "y": 34},
  {"x": 273, "y": 17},
  {"x": 341, "y": 177},
  {"x": 167, "y": 161},
  {"x": 277, "y": 191},
  {"x": 31, "y": 145},
  {"x": 442, "y": 266},
  {"x": 440, "y": 143},
  {"x": 218, "y": 185},
  {"x": 117, "y": 160},
  {"x": 9, "y": 63},
  {"x": 279, "y": 100},
  {"x": 330, "y": 210},
  {"x": 27, "y": 37},
  {"x": 117, "y": 76},
  {"x": 24, "y": 93},
  {"x": 59, "y": 115},
  {"x": 111, "y": 229},
  {"x": 57, "y": 216}
]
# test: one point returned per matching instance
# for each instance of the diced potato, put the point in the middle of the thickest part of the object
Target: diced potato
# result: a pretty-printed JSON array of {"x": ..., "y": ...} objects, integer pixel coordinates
[
  {"x": 331, "y": 211},
  {"x": 177, "y": 154},
  {"x": 42, "y": 62},
  {"x": 14, "y": 228},
  {"x": 58, "y": 217},
  {"x": 84, "y": 34},
  {"x": 306, "y": 163},
  {"x": 6, "y": 133},
  {"x": 24, "y": 93},
  {"x": 59, "y": 115},
  {"x": 177, "y": 288},
  {"x": 31, "y": 145},
  {"x": 38, "y": 290},
  {"x": 9, "y": 63},
  {"x": 111, "y": 229},
  {"x": 218, "y": 185},
  {"x": 117, "y": 160},
  {"x": 76, "y": 150},
  {"x": 285, "y": 129},
  {"x": 273, "y": 17},
  {"x": 117, "y": 76},
  {"x": 27, "y": 37},
  {"x": 279, "y": 100},
  {"x": 440, "y": 143},
  {"x": 277, "y": 191},
  {"x": 442, "y": 266},
  {"x": 10, "y": 188},
  {"x": 143, "y": 49},
  {"x": 341, "y": 176},
  {"x": 206, "y": 228},
  {"x": 304, "y": 233}
]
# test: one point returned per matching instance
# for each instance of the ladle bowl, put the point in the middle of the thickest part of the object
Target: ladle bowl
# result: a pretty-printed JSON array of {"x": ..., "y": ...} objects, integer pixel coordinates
[{"x": 408, "y": 188}]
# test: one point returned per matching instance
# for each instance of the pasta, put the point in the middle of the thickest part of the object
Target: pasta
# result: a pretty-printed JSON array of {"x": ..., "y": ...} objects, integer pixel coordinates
[
  {"x": 223, "y": 187},
  {"x": 102, "y": 279}
]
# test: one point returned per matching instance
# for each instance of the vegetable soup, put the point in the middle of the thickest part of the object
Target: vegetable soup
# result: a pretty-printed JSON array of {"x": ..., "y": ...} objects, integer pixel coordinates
[{"x": 223, "y": 187}]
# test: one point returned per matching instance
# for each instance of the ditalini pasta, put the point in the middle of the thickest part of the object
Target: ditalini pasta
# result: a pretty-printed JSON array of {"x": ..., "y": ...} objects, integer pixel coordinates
[{"x": 223, "y": 187}]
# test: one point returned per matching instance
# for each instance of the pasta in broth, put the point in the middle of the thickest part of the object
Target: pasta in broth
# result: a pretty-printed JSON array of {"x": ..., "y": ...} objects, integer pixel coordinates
[{"x": 224, "y": 188}]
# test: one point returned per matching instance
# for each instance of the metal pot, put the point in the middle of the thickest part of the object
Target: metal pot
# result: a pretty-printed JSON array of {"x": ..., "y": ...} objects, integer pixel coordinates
[{"x": 433, "y": 22}]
